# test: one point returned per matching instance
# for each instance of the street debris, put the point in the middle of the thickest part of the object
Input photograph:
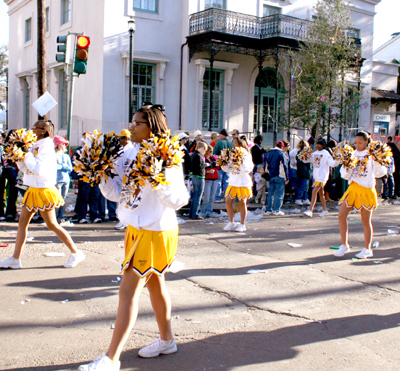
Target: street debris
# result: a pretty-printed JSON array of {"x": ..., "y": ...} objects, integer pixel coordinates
[
  {"x": 375, "y": 245},
  {"x": 210, "y": 223},
  {"x": 106, "y": 268},
  {"x": 294, "y": 211},
  {"x": 30, "y": 238},
  {"x": 181, "y": 221},
  {"x": 67, "y": 223},
  {"x": 176, "y": 266},
  {"x": 175, "y": 317},
  {"x": 253, "y": 271},
  {"x": 118, "y": 279},
  {"x": 3, "y": 244},
  {"x": 25, "y": 301},
  {"x": 53, "y": 254},
  {"x": 64, "y": 301},
  {"x": 334, "y": 247},
  {"x": 291, "y": 244},
  {"x": 392, "y": 232},
  {"x": 378, "y": 262},
  {"x": 69, "y": 208},
  {"x": 251, "y": 217}
]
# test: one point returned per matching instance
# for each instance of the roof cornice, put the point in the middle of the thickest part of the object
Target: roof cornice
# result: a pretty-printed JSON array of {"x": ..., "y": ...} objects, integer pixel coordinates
[{"x": 17, "y": 7}]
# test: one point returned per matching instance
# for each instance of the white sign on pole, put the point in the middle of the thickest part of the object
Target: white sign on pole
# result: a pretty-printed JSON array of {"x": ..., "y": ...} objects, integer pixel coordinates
[{"x": 44, "y": 104}]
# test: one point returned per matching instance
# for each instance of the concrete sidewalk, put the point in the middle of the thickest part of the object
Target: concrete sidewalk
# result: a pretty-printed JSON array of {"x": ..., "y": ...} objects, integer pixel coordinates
[{"x": 301, "y": 309}]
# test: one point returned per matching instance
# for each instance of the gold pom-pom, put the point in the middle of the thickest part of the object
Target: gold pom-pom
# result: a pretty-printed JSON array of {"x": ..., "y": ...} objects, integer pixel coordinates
[
  {"x": 305, "y": 154},
  {"x": 380, "y": 152},
  {"x": 18, "y": 144},
  {"x": 156, "y": 154},
  {"x": 97, "y": 157},
  {"x": 223, "y": 158},
  {"x": 345, "y": 154}
]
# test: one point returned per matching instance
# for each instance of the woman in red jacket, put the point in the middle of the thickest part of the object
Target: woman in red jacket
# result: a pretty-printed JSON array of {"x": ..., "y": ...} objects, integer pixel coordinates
[{"x": 211, "y": 185}]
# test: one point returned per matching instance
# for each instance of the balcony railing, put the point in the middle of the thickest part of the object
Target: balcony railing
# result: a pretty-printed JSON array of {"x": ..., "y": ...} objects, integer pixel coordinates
[{"x": 225, "y": 21}]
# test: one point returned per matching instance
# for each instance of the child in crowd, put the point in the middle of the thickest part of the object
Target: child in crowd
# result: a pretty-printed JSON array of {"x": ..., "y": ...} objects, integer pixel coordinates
[
  {"x": 64, "y": 167},
  {"x": 151, "y": 240},
  {"x": 211, "y": 184},
  {"x": 388, "y": 187},
  {"x": 322, "y": 161},
  {"x": 40, "y": 172},
  {"x": 304, "y": 174},
  {"x": 198, "y": 166},
  {"x": 361, "y": 195},
  {"x": 261, "y": 185},
  {"x": 239, "y": 187}
]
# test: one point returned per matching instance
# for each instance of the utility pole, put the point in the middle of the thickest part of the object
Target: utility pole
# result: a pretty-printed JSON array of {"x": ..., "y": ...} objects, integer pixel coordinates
[{"x": 41, "y": 50}]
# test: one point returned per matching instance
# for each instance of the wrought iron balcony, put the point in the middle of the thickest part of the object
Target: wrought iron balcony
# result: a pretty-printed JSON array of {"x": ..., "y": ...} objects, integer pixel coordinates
[{"x": 227, "y": 22}]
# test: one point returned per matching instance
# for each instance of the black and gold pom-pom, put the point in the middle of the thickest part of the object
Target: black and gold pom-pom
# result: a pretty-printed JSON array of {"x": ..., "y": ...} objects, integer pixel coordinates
[
  {"x": 345, "y": 154},
  {"x": 156, "y": 154},
  {"x": 18, "y": 144},
  {"x": 380, "y": 152},
  {"x": 97, "y": 157}
]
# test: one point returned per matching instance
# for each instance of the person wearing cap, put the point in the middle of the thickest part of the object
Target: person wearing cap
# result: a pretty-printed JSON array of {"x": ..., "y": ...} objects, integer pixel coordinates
[
  {"x": 183, "y": 139},
  {"x": 223, "y": 143},
  {"x": 321, "y": 161},
  {"x": 125, "y": 141},
  {"x": 277, "y": 165},
  {"x": 87, "y": 194},
  {"x": 197, "y": 139},
  {"x": 64, "y": 167}
]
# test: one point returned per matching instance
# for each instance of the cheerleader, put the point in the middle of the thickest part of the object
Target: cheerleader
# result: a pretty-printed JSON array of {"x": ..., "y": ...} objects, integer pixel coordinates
[
  {"x": 40, "y": 172},
  {"x": 239, "y": 186},
  {"x": 150, "y": 244},
  {"x": 361, "y": 194},
  {"x": 321, "y": 160}
]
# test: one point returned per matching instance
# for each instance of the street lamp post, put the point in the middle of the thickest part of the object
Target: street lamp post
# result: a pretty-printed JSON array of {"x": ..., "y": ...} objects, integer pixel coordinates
[{"x": 132, "y": 29}]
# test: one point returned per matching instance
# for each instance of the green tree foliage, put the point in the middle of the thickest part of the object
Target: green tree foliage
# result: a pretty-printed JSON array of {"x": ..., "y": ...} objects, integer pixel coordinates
[
  {"x": 325, "y": 61},
  {"x": 3, "y": 67}
]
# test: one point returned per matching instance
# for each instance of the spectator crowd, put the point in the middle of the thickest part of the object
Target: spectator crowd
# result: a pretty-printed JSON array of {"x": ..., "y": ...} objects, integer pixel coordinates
[{"x": 277, "y": 174}]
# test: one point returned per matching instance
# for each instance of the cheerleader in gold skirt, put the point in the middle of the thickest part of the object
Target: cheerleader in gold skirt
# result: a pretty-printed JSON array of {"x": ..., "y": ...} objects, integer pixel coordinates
[
  {"x": 40, "y": 172},
  {"x": 240, "y": 186},
  {"x": 361, "y": 195},
  {"x": 150, "y": 243}
]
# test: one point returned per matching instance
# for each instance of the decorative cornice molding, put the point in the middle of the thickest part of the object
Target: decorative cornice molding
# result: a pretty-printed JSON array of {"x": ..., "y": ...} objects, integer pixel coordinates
[
  {"x": 17, "y": 7},
  {"x": 361, "y": 11}
]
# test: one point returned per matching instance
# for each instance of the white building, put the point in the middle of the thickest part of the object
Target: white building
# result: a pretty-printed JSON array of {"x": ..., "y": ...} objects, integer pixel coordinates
[
  {"x": 173, "y": 44},
  {"x": 384, "y": 89}
]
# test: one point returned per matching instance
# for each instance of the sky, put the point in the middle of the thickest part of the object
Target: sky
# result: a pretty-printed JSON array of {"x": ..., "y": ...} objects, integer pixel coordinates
[{"x": 386, "y": 21}]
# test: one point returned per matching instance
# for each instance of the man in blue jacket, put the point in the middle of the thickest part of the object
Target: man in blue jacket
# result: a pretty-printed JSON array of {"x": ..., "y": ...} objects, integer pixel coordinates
[{"x": 278, "y": 177}]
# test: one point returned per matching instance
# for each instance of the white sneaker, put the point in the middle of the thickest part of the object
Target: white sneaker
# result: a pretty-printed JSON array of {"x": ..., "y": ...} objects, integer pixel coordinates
[
  {"x": 278, "y": 213},
  {"x": 306, "y": 202},
  {"x": 230, "y": 226},
  {"x": 308, "y": 213},
  {"x": 324, "y": 213},
  {"x": 299, "y": 202},
  {"x": 268, "y": 213},
  {"x": 364, "y": 254},
  {"x": 343, "y": 249},
  {"x": 75, "y": 259},
  {"x": 11, "y": 263},
  {"x": 120, "y": 226},
  {"x": 83, "y": 221},
  {"x": 102, "y": 363},
  {"x": 2, "y": 218},
  {"x": 158, "y": 347},
  {"x": 240, "y": 228}
]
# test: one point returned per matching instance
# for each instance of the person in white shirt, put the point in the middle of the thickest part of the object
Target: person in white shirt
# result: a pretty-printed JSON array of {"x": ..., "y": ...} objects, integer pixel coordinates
[
  {"x": 322, "y": 161},
  {"x": 239, "y": 186},
  {"x": 151, "y": 240},
  {"x": 40, "y": 174},
  {"x": 361, "y": 195}
]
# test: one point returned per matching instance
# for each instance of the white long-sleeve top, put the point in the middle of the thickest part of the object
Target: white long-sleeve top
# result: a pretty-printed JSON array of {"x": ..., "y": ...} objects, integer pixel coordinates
[
  {"x": 156, "y": 210},
  {"x": 365, "y": 172},
  {"x": 293, "y": 159},
  {"x": 40, "y": 165},
  {"x": 242, "y": 177},
  {"x": 321, "y": 161}
]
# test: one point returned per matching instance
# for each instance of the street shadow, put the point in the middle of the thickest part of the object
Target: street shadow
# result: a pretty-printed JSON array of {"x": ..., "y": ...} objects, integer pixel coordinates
[
  {"x": 73, "y": 288},
  {"x": 240, "y": 349}
]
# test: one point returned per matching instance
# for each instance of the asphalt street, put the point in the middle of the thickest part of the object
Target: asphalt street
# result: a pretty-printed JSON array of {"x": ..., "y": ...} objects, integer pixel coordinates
[{"x": 243, "y": 301}]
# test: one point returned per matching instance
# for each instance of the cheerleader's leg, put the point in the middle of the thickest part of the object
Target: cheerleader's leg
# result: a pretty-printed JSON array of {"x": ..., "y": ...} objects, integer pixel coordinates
[
  {"x": 24, "y": 220},
  {"x": 49, "y": 217},
  {"x": 343, "y": 225},
  {"x": 366, "y": 219}
]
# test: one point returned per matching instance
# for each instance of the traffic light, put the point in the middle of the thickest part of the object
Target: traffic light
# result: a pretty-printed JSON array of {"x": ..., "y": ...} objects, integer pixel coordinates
[
  {"x": 63, "y": 49},
  {"x": 81, "y": 54}
]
